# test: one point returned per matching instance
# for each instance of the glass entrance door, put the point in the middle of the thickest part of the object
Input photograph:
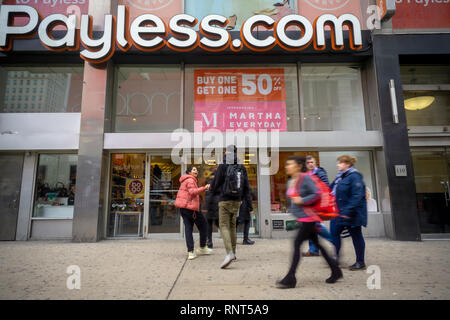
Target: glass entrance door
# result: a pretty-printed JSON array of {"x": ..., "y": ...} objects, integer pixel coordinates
[
  {"x": 432, "y": 176},
  {"x": 127, "y": 185},
  {"x": 164, "y": 182}
]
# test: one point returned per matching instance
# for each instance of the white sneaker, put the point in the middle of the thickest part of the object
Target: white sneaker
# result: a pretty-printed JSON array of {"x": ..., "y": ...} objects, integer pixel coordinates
[
  {"x": 227, "y": 261},
  {"x": 232, "y": 256},
  {"x": 204, "y": 250},
  {"x": 191, "y": 255}
]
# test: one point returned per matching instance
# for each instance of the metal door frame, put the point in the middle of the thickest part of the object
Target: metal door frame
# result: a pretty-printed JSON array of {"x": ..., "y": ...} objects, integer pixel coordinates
[{"x": 18, "y": 196}]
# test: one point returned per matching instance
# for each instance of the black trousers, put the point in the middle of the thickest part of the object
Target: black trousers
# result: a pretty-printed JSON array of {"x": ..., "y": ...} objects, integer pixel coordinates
[
  {"x": 246, "y": 226},
  {"x": 307, "y": 231},
  {"x": 210, "y": 228},
  {"x": 189, "y": 221}
]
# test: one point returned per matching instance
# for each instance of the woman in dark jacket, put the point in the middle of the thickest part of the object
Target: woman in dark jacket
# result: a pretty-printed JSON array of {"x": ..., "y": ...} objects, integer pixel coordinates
[
  {"x": 244, "y": 217},
  {"x": 212, "y": 211},
  {"x": 350, "y": 192},
  {"x": 303, "y": 193}
]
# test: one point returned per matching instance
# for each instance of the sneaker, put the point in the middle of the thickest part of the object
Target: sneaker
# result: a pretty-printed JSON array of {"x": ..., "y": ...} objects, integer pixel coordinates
[
  {"x": 233, "y": 256},
  {"x": 204, "y": 250},
  {"x": 227, "y": 261},
  {"x": 248, "y": 241},
  {"x": 191, "y": 255}
]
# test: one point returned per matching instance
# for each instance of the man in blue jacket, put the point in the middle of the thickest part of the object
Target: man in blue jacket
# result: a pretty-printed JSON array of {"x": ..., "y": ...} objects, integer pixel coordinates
[{"x": 311, "y": 166}]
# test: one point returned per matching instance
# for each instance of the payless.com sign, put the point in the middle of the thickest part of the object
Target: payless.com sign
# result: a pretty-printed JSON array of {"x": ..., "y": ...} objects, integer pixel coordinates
[{"x": 148, "y": 32}]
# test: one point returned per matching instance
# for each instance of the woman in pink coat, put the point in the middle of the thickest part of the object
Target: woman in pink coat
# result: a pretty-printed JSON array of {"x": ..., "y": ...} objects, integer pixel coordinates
[{"x": 188, "y": 200}]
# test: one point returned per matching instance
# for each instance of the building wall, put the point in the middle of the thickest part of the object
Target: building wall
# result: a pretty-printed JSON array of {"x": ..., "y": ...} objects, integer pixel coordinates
[{"x": 90, "y": 132}]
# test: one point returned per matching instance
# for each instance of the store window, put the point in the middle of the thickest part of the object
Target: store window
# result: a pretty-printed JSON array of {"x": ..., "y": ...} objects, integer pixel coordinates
[
  {"x": 426, "y": 94},
  {"x": 364, "y": 165},
  {"x": 253, "y": 97},
  {"x": 332, "y": 98},
  {"x": 326, "y": 160},
  {"x": 64, "y": 83},
  {"x": 55, "y": 186},
  {"x": 127, "y": 190},
  {"x": 147, "y": 99}
]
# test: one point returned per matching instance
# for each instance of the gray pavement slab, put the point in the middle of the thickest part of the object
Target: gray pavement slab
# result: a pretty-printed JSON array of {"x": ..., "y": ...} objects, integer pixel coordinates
[{"x": 157, "y": 269}]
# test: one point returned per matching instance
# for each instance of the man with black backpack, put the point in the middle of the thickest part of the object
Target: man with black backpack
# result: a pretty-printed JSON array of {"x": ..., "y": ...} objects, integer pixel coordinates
[{"x": 231, "y": 183}]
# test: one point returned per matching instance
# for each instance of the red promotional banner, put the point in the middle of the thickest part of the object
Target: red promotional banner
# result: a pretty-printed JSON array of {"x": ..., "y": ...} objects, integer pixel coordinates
[
  {"x": 231, "y": 99},
  {"x": 422, "y": 14},
  {"x": 239, "y": 85}
]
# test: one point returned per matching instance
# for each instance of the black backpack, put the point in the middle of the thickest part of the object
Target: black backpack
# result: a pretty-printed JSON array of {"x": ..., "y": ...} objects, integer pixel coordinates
[{"x": 234, "y": 180}]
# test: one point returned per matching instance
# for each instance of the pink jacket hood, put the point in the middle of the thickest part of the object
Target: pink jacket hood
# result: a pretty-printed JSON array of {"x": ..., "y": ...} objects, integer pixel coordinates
[
  {"x": 188, "y": 194},
  {"x": 187, "y": 176}
]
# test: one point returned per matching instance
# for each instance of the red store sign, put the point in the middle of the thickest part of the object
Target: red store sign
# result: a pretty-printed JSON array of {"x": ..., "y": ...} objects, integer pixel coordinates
[{"x": 422, "y": 14}]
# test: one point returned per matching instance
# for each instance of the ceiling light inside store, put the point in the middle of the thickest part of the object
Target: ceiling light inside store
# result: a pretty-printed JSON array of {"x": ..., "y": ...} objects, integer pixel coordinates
[{"x": 419, "y": 103}]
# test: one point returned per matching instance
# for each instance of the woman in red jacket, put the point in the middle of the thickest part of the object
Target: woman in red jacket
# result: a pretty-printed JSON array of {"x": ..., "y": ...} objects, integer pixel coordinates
[{"x": 188, "y": 201}]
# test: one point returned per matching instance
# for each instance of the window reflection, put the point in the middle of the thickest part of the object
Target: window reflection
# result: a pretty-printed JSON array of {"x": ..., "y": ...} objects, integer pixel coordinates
[
  {"x": 60, "y": 89},
  {"x": 147, "y": 99},
  {"x": 332, "y": 98}
]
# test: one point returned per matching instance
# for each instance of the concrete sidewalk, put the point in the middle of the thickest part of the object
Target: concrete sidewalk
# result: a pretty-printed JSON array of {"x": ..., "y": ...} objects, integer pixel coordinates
[{"x": 157, "y": 269}]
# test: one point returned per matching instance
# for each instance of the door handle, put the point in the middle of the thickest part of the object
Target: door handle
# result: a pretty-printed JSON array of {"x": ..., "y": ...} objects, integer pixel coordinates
[
  {"x": 448, "y": 191},
  {"x": 13, "y": 203}
]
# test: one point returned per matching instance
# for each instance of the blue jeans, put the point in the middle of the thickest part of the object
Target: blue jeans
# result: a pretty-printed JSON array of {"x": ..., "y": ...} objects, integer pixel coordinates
[
  {"x": 324, "y": 233},
  {"x": 357, "y": 238}
]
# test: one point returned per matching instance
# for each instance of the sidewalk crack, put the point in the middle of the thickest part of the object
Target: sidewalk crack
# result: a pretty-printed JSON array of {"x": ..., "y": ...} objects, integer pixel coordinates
[{"x": 178, "y": 276}]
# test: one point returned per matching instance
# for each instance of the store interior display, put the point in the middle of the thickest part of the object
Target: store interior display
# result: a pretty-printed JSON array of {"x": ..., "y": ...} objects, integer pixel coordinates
[
  {"x": 55, "y": 186},
  {"x": 278, "y": 182}
]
